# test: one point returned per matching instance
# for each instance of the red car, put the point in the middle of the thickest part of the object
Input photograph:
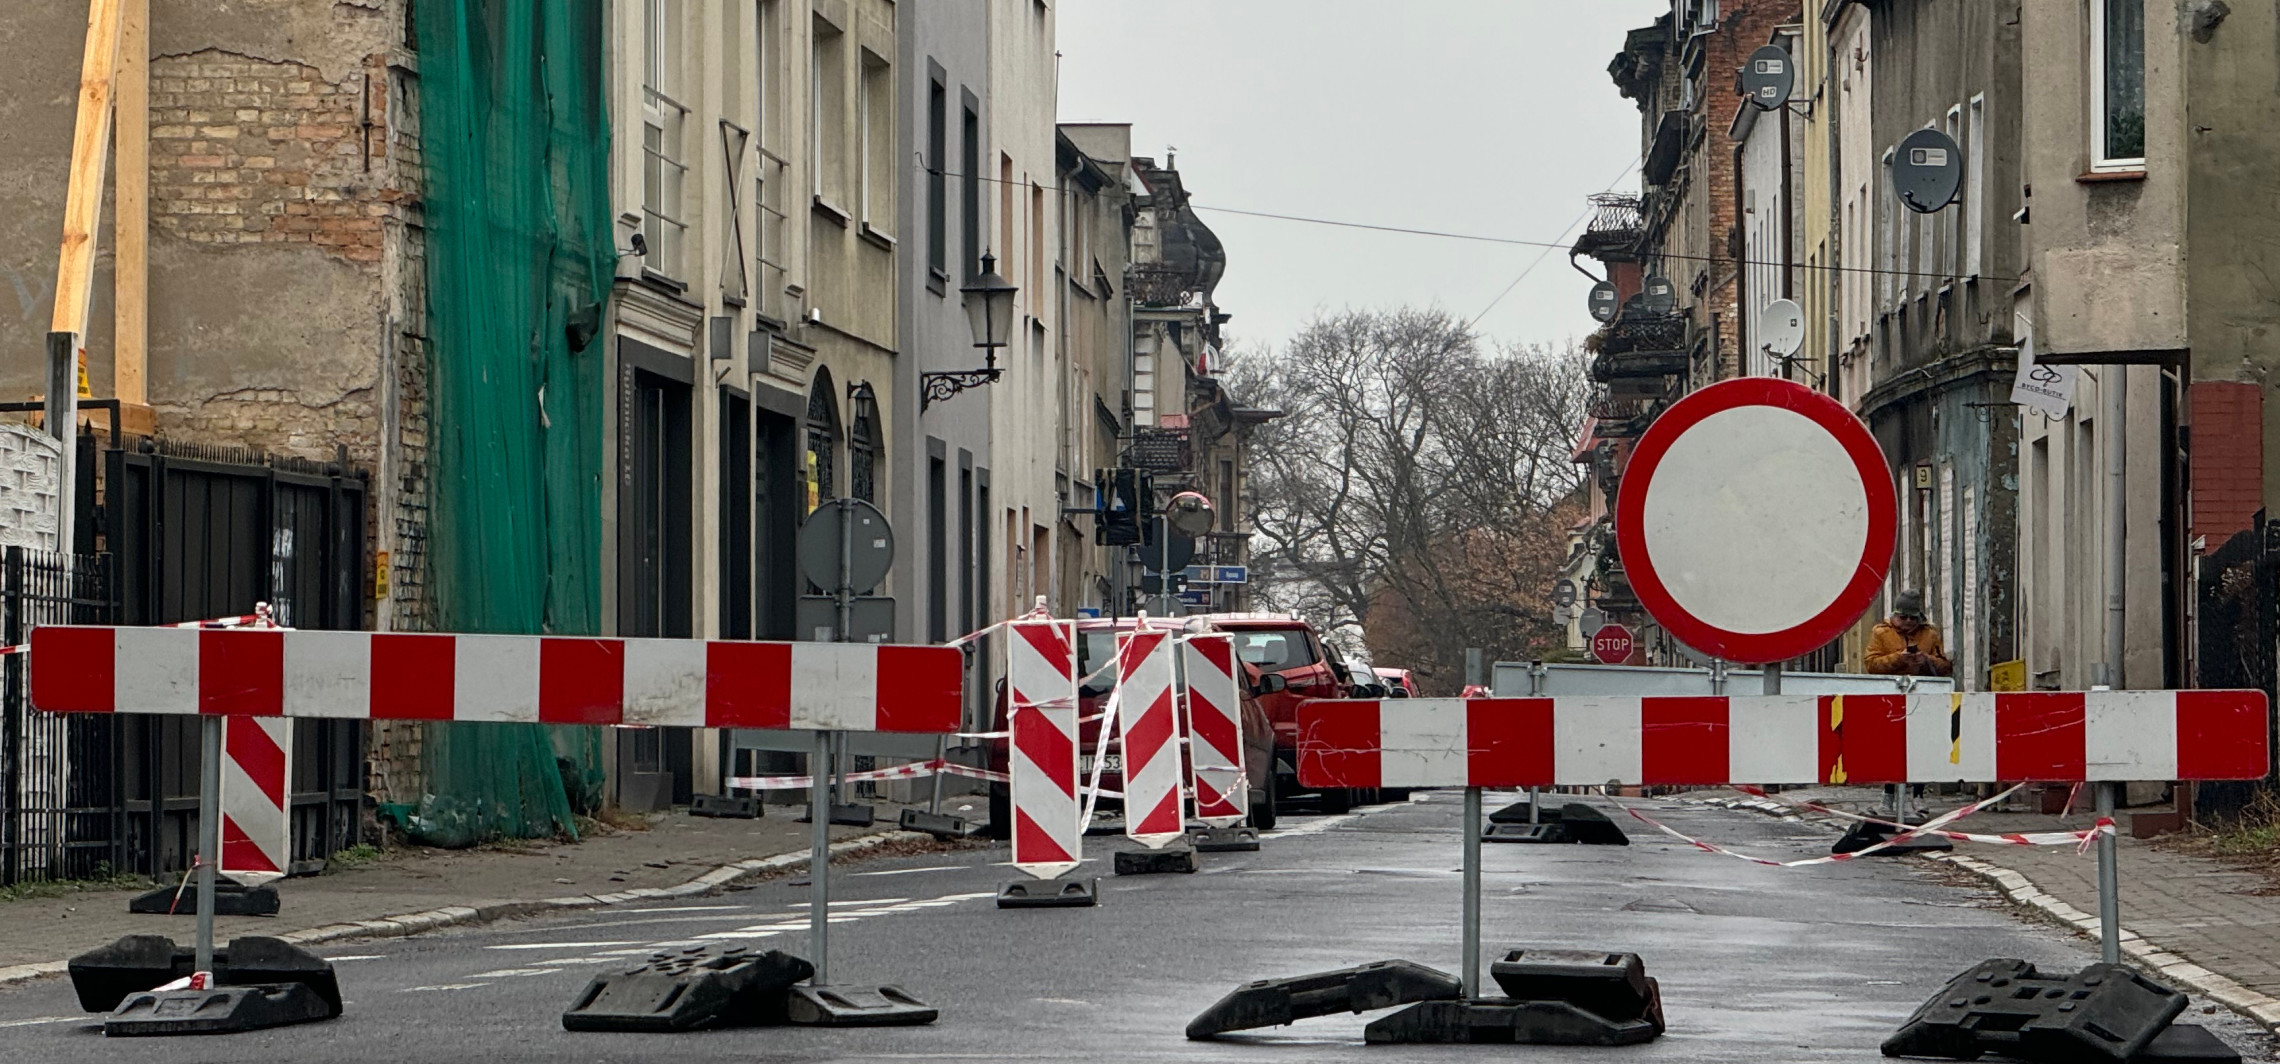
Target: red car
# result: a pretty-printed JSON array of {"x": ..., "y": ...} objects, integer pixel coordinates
[
  {"x": 1281, "y": 644},
  {"x": 1096, "y": 657},
  {"x": 1398, "y": 683}
]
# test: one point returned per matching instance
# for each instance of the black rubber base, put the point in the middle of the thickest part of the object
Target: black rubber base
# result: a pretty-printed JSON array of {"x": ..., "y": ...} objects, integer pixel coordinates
[
  {"x": 219, "y": 1010},
  {"x": 939, "y": 825},
  {"x": 856, "y": 1006},
  {"x": 1507, "y": 1022},
  {"x": 2186, "y": 1043},
  {"x": 1237, "y": 839},
  {"x": 1155, "y": 862},
  {"x": 1274, "y": 1002},
  {"x": 1864, "y": 835},
  {"x": 106, "y": 975},
  {"x": 743, "y": 807},
  {"x": 1049, "y": 894},
  {"x": 690, "y": 989}
]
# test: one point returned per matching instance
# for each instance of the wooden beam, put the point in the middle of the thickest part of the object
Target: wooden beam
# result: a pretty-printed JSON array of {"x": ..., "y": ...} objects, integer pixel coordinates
[
  {"x": 130, "y": 192},
  {"x": 90, "y": 151}
]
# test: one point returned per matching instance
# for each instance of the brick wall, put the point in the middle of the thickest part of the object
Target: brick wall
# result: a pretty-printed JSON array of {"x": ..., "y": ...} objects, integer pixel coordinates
[{"x": 2227, "y": 458}]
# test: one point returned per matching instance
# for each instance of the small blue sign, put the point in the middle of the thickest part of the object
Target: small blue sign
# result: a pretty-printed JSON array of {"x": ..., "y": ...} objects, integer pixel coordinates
[
  {"x": 1230, "y": 574},
  {"x": 1197, "y": 597},
  {"x": 1088, "y": 612}
]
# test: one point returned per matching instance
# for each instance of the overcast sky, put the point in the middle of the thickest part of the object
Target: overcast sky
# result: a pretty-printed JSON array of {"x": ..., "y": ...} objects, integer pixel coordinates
[{"x": 1493, "y": 117}]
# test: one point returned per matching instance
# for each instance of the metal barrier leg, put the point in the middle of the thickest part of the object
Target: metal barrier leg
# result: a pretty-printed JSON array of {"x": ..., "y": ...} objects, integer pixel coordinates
[
  {"x": 819, "y": 857},
  {"x": 2109, "y": 883},
  {"x": 209, "y": 832},
  {"x": 1472, "y": 892}
]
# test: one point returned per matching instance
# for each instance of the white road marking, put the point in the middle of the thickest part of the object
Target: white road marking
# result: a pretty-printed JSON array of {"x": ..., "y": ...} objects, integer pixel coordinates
[
  {"x": 1314, "y": 826},
  {"x": 562, "y": 945},
  {"x": 908, "y": 871},
  {"x": 442, "y": 986},
  {"x": 359, "y": 957},
  {"x": 509, "y": 973},
  {"x": 40, "y": 1020},
  {"x": 690, "y": 908},
  {"x": 854, "y": 903},
  {"x": 595, "y": 959}
]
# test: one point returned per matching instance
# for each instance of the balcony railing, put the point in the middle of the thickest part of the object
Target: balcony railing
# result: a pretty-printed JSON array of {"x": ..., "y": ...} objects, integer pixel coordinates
[
  {"x": 1634, "y": 331},
  {"x": 1616, "y": 225}
]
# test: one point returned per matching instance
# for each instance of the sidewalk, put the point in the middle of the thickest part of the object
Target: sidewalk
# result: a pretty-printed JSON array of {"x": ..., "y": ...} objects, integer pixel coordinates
[
  {"x": 2201, "y": 923},
  {"x": 679, "y": 855}
]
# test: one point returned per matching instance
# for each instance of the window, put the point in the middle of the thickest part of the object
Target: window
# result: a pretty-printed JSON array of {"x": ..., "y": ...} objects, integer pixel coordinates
[
  {"x": 1951, "y": 237},
  {"x": 1975, "y": 187},
  {"x": 1273, "y": 651},
  {"x": 937, "y": 552},
  {"x": 827, "y": 125},
  {"x": 1036, "y": 243},
  {"x": 2117, "y": 84},
  {"x": 662, "y": 131},
  {"x": 1887, "y": 249},
  {"x": 818, "y": 462},
  {"x": 970, "y": 193},
  {"x": 937, "y": 183},
  {"x": 863, "y": 448},
  {"x": 1006, "y": 262},
  {"x": 876, "y": 104}
]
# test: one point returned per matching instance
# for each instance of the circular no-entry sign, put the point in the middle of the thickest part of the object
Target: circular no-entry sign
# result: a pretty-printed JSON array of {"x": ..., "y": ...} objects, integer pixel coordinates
[
  {"x": 1755, "y": 519},
  {"x": 1612, "y": 645}
]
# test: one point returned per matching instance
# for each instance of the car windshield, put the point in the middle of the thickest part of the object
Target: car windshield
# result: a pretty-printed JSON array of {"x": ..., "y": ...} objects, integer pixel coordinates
[
  {"x": 1095, "y": 649},
  {"x": 1273, "y": 651}
]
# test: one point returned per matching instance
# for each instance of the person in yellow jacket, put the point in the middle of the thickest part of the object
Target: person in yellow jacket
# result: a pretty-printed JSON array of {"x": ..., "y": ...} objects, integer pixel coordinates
[{"x": 1903, "y": 645}]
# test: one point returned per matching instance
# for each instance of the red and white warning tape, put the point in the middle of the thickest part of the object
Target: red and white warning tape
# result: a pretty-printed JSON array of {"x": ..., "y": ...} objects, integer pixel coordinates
[
  {"x": 1930, "y": 827},
  {"x": 258, "y": 619},
  {"x": 2080, "y": 839}
]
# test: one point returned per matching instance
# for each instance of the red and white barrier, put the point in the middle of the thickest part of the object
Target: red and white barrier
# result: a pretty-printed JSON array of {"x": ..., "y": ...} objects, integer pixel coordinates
[
  {"x": 1983, "y": 738},
  {"x": 1144, "y": 680},
  {"x": 1215, "y": 730},
  {"x": 1041, "y": 688},
  {"x": 912, "y": 770},
  {"x": 257, "y": 830},
  {"x": 519, "y": 679}
]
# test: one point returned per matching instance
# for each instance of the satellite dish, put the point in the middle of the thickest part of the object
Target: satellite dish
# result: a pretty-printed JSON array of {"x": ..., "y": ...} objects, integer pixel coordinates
[
  {"x": 1656, "y": 296},
  {"x": 1781, "y": 328},
  {"x": 1603, "y": 301},
  {"x": 1189, "y": 513},
  {"x": 1768, "y": 77},
  {"x": 1927, "y": 169}
]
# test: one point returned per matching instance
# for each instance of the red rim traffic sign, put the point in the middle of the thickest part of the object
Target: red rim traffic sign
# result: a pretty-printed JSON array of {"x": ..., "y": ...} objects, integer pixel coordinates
[
  {"x": 1755, "y": 519},
  {"x": 1612, "y": 644}
]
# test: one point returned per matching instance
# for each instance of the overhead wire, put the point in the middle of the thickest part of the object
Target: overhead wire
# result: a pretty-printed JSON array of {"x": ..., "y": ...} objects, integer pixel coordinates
[
  {"x": 1548, "y": 245},
  {"x": 1566, "y": 234}
]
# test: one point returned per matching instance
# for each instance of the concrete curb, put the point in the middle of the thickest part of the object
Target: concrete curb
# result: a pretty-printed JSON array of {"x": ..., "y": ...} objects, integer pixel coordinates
[
  {"x": 2257, "y": 1006},
  {"x": 453, "y": 915}
]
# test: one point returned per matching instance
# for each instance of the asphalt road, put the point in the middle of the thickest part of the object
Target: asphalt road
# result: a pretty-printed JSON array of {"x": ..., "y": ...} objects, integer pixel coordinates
[{"x": 1757, "y": 964}]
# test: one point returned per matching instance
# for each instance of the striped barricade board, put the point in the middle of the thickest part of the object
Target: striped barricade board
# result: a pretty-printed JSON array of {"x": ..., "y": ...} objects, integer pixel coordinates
[
  {"x": 507, "y": 678},
  {"x": 1776, "y": 739}
]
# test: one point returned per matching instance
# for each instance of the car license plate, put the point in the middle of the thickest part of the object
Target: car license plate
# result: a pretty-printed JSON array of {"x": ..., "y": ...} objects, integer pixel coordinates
[{"x": 1110, "y": 763}]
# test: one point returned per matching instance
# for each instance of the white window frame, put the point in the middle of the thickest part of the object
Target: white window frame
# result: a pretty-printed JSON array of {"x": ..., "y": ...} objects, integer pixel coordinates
[
  {"x": 1951, "y": 222},
  {"x": 1888, "y": 249},
  {"x": 665, "y": 167},
  {"x": 1975, "y": 188},
  {"x": 2100, "y": 162}
]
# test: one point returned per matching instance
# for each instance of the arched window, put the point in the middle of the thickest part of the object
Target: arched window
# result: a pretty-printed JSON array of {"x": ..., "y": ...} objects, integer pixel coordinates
[
  {"x": 863, "y": 446},
  {"x": 819, "y": 465}
]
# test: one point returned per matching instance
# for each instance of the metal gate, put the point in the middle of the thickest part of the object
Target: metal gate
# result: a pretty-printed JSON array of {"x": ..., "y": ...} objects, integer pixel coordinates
[
  {"x": 59, "y": 813},
  {"x": 206, "y": 532},
  {"x": 2236, "y": 635}
]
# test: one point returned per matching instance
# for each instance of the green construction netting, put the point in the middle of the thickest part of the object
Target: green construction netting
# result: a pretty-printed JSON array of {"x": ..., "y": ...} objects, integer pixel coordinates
[{"x": 520, "y": 253}]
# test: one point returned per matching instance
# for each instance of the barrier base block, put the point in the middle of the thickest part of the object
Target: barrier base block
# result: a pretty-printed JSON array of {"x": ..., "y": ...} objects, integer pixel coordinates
[
  {"x": 1274, "y": 1002},
  {"x": 1507, "y": 831},
  {"x": 690, "y": 989},
  {"x": 745, "y": 807},
  {"x": 1517, "y": 813},
  {"x": 1155, "y": 862},
  {"x": 231, "y": 898},
  {"x": 1504, "y": 1021},
  {"x": 1236, "y": 839},
  {"x": 1049, "y": 894},
  {"x": 106, "y": 975},
  {"x": 2187, "y": 1043},
  {"x": 2105, "y": 1012},
  {"x": 218, "y": 1010},
  {"x": 854, "y": 816},
  {"x": 1863, "y": 835},
  {"x": 939, "y": 825},
  {"x": 1613, "y": 986},
  {"x": 856, "y": 1006}
]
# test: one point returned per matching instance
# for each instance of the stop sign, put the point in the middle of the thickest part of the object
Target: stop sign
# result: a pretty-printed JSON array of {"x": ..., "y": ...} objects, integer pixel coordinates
[{"x": 1612, "y": 646}]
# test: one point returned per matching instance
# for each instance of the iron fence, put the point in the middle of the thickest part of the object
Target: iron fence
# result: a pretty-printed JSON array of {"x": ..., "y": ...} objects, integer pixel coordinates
[{"x": 60, "y": 817}]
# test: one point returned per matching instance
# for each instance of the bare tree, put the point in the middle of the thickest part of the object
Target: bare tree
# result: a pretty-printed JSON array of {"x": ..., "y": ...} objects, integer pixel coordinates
[{"x": 1413, "y": 488}]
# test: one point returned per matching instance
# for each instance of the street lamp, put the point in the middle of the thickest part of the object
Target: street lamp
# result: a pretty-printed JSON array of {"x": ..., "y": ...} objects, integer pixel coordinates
[{"x": 989, "y": 309}]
